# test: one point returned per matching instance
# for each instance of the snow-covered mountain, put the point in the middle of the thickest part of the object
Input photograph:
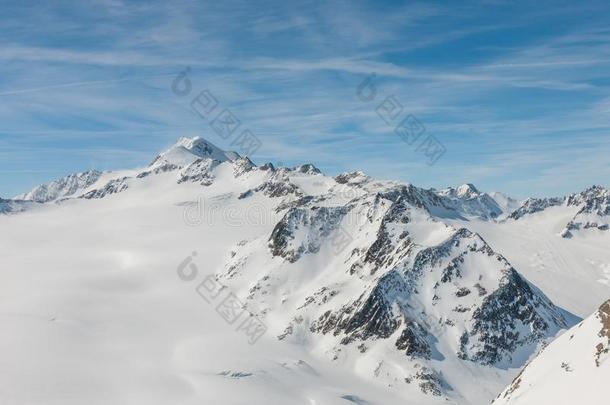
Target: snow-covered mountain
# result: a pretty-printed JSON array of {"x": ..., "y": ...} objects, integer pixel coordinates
[
  {"x": 593, "y": 212},
  {"x": 14, "y": 206},
  {"x": 187, "y": 150},
  {"x": 591, "y": 206},
  {"x": 572, "y": 369},
  {"x": 68, "y": 186},
  {"x": 469, "y": 201},
  {"x": 507, "y": 203},
  {"x": 534, "y": 205},
  {"x": 404, "y": 290},
  {"x": 196, "y": 156},
  {"x": 370, "y": 291}
]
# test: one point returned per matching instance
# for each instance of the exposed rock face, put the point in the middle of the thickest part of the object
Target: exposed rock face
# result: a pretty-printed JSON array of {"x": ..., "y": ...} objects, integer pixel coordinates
[
  {"x": 357, "y": 177},
  {"x": 199, "y": 171},
  {"x": 267, "y": 167},
  {"x": 307, "y": 200},
  {"x": 468, "y": 201},
  {"x": 449, "y": 256},
  {"x": 414, "y": 341},
  {"x": 505, "y": 314},
  {"x": 595, "y": 199},
  {"x": 533, "y": 205},
  {"x": 112, "y": 187},
  {"x": 278, "y": 184},
  {"x": 389, "y": 238},
  {"x": 471, "y": 290},
  {"x": 463, "y": 202},
  {"x": 68, "y": 186},
  {"x": 510, "y": 317},
  {"x": 429, "y": 381},
  {"x": 375, "y": 315},
  {"x": 278, "y": 188},
  {"x": 307, "y": 169},
  {"x": 316, "y": 222},
  {"x": 163, "y": 167},
  {"x": 241, "y": 166},
  {"x": 603, "y": 347},
  {"x": 594, "y": 210}
]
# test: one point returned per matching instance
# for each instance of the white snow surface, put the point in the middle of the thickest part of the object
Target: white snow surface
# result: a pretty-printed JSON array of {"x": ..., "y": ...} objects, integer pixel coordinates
[
  {"x": 574, "y": 273},
  {"x": 187, "y": 150},
  {"x": 574, "y": 369},
  {"x": 94, "y": 310}
]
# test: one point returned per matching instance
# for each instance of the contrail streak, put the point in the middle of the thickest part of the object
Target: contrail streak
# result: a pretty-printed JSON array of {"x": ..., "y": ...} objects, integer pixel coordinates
[{"x": 76, "y": 84}]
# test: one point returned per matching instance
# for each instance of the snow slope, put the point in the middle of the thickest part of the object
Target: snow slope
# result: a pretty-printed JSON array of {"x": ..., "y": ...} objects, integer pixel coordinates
[
  {"x": 591, "y": 210},
  {"x": 370, "y": 292},
  {"x": 573, "y": 272},
  {"x": 99, "y": 314},
  {"x": 573, "y": 369}
]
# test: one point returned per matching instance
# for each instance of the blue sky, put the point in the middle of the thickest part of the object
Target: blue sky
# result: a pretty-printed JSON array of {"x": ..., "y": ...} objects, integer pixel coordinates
[{"x": 517, "y": 92}]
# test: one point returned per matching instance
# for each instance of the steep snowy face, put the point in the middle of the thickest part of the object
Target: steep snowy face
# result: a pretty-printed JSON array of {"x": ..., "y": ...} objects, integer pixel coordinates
[
  {"x": 572, "y": 369},
  {"x": 467, "y": 191},
  {"x": 65, "y": 187},
  {"x": 187, "y": 150},
  {"x": 506, "y": 203}
]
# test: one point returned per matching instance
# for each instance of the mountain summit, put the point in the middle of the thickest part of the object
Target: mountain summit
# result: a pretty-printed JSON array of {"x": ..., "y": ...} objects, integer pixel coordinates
[{"x": 187, "y": 150}]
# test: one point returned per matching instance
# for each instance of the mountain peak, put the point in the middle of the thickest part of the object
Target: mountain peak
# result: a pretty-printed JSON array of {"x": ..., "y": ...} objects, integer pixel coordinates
[
  {"x": 307, "y": 168},
  {"x": 595, "y": 191},
  {"x": 467, "y": 190},
  {"x": 186, "y": 150}
]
